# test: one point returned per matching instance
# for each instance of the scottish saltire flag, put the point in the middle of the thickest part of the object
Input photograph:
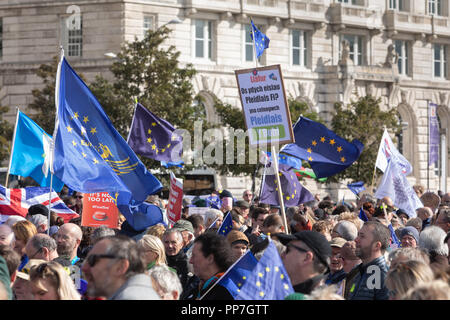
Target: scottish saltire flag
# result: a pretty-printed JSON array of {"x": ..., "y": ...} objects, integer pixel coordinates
[
  {"x": 356, "y": 187},
  {"x": 227, "y": 225},
  {"x": 268, "y": 280},
  {"x": 326, "y": 152},
  {"x": 395, "y": 242},
  {"x": 89, "y": 154},
  {"x": 433, "y": 134},
  {"x": 260, "y": 39},
  {"x": 17, "y": 201},
  {"x": 362, "y": 215},
  {"x": 31, "y": 153},
  {"x": 395, "y": 185},
  {"x": 153, "y": 137},
  {"x": 238, "y": 273},
  {"x": 292, "y": 190},
  {"x": 386, "y": 150}
]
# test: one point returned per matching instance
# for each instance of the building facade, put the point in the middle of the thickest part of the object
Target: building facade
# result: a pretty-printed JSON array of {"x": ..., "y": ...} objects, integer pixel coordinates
[{"x": 329, "y": 51}]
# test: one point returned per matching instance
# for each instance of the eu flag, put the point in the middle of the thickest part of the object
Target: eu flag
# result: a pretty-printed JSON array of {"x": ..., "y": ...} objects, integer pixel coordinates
[
  {"x": 227, "y": 225},
  {"x": 362, "y": 215},
  {"x": 153, "y": 137},
  {"x": 292, "y": 190},
  {"x": 260, "y": 39},
  {"x": 268, "y": 280},
  {"x": 326, "y": 152},
  {"x": 238, "y": 273},
  {"x": 356, "y": 187},
  {"x": 89, "y": 154},
  {"x": 31, "y": 153}
]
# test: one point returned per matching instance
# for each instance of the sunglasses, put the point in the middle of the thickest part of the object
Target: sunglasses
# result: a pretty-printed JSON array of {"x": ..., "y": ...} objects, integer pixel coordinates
[
  {"x": 92, "y": 259},
  {"x": 79, "y": 197}
]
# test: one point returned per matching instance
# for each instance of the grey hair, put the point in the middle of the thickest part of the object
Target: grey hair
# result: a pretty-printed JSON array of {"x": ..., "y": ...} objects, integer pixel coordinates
[
  {"x": 38, "y": 220},
  {"x": 347, "y": 230},
  {"x": 417, "y": 254},
  {"x": 101, "y": 232},
  {"x": 213, "y": 214},
  {"x": 125, "y": 248},
  {"x": 40, "y": 241},
  {"x": 166, "y": 279},
  {"x": 432, "y": 240},
  {"x": 178, "y": 232}
]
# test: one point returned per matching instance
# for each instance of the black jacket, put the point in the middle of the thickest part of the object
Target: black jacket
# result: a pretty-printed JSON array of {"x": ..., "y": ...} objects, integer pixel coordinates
[{"x": 180, "y": 263}]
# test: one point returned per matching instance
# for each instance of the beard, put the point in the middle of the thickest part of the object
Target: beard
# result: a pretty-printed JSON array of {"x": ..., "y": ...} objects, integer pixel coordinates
[{"x": 363, "y": 253}]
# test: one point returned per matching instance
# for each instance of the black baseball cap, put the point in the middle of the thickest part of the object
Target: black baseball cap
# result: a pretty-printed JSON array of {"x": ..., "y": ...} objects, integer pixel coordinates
[{"x": 316, "y": 241}]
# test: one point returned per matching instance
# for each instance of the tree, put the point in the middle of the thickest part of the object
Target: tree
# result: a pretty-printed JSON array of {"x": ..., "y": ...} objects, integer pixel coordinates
[
  {"x": 43, "y": 104},
  {"x": 233, "y": 118},
  {"x": 150, "y": 74},
  {"x": 6, "y": 132},
  {"x": 363, "y": 120}
]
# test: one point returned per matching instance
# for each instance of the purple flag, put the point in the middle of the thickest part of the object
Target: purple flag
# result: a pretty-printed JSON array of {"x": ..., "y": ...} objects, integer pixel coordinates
[
  {"x": 433, "y": 135},
  {"x": 153, "y": 137},
  {"x": 293, "y": 192}
]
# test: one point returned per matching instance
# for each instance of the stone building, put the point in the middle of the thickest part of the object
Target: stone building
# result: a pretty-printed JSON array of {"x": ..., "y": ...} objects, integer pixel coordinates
[{"x": 329, "y": 51}]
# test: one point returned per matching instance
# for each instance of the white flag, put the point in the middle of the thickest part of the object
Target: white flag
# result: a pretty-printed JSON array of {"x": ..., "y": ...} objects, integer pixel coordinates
[
  {"x": 395, "y": 185},
  {"x": 386, "y": 150}
]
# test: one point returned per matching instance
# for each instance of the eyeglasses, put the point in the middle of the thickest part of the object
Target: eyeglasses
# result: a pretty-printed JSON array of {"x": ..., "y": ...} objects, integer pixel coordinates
[
  {"x": 32, "y": 256},
  {"x": 92, "y": 259},
  {"x": 247, "y": 194},
  {"x": 79, "y": 197}
]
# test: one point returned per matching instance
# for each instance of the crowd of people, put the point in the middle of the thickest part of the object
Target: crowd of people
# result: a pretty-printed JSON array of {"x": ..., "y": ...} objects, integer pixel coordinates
[{"x": 363, "y": 250}]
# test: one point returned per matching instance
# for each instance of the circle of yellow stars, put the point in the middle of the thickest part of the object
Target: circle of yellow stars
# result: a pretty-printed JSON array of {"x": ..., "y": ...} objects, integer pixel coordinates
[
  {"x": 83, "y": 132},
  {"x": 154, "y": 147},
  {"x": 332, "y": 142},
  {"x": 261, "y": 275}
]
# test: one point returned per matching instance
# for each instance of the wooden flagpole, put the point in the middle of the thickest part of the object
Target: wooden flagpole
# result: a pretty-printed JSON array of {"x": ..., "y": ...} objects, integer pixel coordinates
[{"x": 12, "y": 147}]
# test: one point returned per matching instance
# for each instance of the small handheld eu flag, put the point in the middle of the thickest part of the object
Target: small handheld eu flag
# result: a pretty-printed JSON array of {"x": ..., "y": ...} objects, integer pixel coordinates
[{"x": 260, "y": 39}]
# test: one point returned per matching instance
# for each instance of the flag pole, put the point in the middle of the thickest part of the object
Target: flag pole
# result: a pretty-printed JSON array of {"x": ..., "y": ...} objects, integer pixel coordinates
[
  {"x": 12, "y": 147},
  {"x": 428, "y": 144},
  {"x": 280, "y": 193}
]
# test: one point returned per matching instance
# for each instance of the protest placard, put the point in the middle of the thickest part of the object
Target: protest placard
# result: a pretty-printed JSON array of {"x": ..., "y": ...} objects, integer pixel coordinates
[
  {"x": 175, "y": 199},
  {"x": 99, "y": 210},
  {"x": 266, "y": 112}
]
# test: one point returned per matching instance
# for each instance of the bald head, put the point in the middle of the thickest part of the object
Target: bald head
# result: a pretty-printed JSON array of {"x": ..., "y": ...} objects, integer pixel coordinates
[
  {"x": 68, "y": 239},
  {"x": 424, "y": 213},
  {"x": 6, "y": 235}
]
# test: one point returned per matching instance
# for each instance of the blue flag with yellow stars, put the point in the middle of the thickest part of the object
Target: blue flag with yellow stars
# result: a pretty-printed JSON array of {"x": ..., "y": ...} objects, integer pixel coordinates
[
  {"x": 268, "y": 280},
  {"x": 356, "y": 187},
  {"x": 292, "y": 190},
  {"x": 153, "y": 137},
  {"x": 238, "y": 273},
  {"x": 89, "y": 154},
  {"x": 226, "y": 226},
  {"x": 326, "y": 152},
  {"x": 260, "y": 39}
]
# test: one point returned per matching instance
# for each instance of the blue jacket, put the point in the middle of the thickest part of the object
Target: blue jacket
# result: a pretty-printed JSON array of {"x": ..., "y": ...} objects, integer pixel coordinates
[{"x": 368, "y": 284}]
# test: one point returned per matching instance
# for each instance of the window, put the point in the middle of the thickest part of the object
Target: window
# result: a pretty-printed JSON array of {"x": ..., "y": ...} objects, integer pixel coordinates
[
  {"x": 440, "y": 61},
  {"x": 203, "y": 39},
  {"x": 396, "y": 5},
  {"x": 435, "y": 7},
  {"x": 299, "y": 48},
  {"x": 402, "y": 48},
  {"x": 356, "y": 48},
  {"x": 248, "y": 43},
  {"x": 75, "y": 41},
  {"x": 354, "y": 2},
  {"x": 1, "y": 37},
  {"x": 148, "y": 24}
]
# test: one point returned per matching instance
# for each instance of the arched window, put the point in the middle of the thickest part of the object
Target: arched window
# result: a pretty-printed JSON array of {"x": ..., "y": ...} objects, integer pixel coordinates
[
  {"x": 204, "y": 107},
  {"x": 441, "y": 167},
  {"x": 407, "y": 139}
]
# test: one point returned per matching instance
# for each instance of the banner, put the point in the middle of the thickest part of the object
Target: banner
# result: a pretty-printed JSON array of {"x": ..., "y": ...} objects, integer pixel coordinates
[
  {"x": 175, "y": 202},
  {"x": 99, "y": 210},
  {"x": 433, "y": 135}
]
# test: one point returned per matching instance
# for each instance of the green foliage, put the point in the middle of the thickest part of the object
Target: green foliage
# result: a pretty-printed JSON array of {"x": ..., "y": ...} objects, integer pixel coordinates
[
  {"x": 363, "y": 120},
  {"x": 6, "y": 132},
  {"x": 234, "y": 118}
]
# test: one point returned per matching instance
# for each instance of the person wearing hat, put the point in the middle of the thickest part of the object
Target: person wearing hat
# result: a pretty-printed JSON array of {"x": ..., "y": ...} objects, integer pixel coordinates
[
  {"x": 306, "y": 259},
  {"x": 187, "y": 231},
  {"x": 243, "y": 207},
  {"x": 226, "y": 199},
  {"x": 409, "y": 237},
  {"x": 239, "y": 243},
  {"x": 337, "y": 273}
]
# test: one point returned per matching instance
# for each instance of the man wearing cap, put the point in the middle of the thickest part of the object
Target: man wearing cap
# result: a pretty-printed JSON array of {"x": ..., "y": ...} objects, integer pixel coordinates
[
  {"x": 306, "y": 259},
  {"x": 337, "y": 273},
  {"x": 239, "y": 243},
  {"x": 187, "y": 231},
  {"x": 243, "y": 207},
  {"x": 226, "y": 199},
  {"x": 409, "y": 237},
  {"x": 372, "y": 241}
]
